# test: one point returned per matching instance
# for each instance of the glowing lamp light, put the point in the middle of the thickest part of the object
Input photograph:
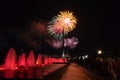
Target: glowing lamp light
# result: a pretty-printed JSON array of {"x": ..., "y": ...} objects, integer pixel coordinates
[
  {"x": 83, "y": 57},
  {"x": 79, "y": 57},
  {"x": 86, "y": 56},
  {"x": 99, "y": 51}
]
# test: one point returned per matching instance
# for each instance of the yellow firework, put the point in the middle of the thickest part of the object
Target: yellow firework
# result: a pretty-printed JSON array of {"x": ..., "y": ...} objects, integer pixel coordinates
[{"x": 66, "y": 21}]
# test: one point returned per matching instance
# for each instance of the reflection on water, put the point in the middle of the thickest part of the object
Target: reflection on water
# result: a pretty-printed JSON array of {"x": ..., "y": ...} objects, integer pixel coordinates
[
  {"x": 30, "y": 72},
  {"x": 8, "y": 73},
  {"x": 38, "y": 73},
  {"x": 23, "y": 73}
]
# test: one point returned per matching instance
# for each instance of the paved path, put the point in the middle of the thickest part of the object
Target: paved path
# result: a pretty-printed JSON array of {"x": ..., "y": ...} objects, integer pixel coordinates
[{"x": 75, "y": 72}]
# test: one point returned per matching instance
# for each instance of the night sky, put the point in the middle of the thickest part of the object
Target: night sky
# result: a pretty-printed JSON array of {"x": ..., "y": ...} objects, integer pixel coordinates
[{"x": 97, "y": 27}]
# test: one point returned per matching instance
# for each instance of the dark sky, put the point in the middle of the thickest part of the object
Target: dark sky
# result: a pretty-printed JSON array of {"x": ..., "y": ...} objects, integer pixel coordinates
[{"x": 97, "y": 27}]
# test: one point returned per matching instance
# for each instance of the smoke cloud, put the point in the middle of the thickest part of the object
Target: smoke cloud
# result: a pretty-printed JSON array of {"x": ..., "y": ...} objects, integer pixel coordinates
[{"x": 68, "y": 42}]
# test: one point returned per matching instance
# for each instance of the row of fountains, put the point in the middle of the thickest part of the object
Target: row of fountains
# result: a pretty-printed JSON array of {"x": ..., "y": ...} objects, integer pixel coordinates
[{"x": 12, "y": 63}]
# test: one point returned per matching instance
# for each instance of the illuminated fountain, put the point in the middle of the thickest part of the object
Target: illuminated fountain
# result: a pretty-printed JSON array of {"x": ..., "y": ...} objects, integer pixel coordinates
[
  {"x": 49, "y": 60},
  {"x": 26, "y": 66},
  {"x": 39, "y": 60},
  {"x": 46, "y": 60},
  {"x": 22, "y": 60},
  {"x": 10, "y": 60},
  {"x": 31, "y": 59}
]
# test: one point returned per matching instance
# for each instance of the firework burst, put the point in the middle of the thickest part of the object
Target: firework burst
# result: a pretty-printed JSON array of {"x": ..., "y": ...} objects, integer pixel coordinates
[
  {"x": 67, "y": 21},
  {"x": 62, "y": 24}
]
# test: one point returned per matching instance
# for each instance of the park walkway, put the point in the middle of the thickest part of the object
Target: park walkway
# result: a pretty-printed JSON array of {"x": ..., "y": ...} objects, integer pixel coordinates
[{"x": 76, "y": 72}]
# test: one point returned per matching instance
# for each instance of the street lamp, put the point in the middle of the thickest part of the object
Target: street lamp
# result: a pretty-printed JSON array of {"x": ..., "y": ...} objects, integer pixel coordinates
[{"x": 99, "y": 52}]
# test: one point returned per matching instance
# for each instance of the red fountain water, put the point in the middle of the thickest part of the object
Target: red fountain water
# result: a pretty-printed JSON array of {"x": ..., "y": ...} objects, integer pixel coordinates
[
  {"x": 22, "y": 60},
  {"x": 45, "y": 60},
  {"x": 50, "y": 60},
  {"x": 39, "y": 60},
  {"x": 10, "y": 60},
  {"x": 31, "y": 59},
  {"x": 59, "y": 60}
]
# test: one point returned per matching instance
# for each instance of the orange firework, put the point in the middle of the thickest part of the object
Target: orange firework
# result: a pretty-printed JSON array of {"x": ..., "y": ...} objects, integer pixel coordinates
[{"x": 66, "y": 21}]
